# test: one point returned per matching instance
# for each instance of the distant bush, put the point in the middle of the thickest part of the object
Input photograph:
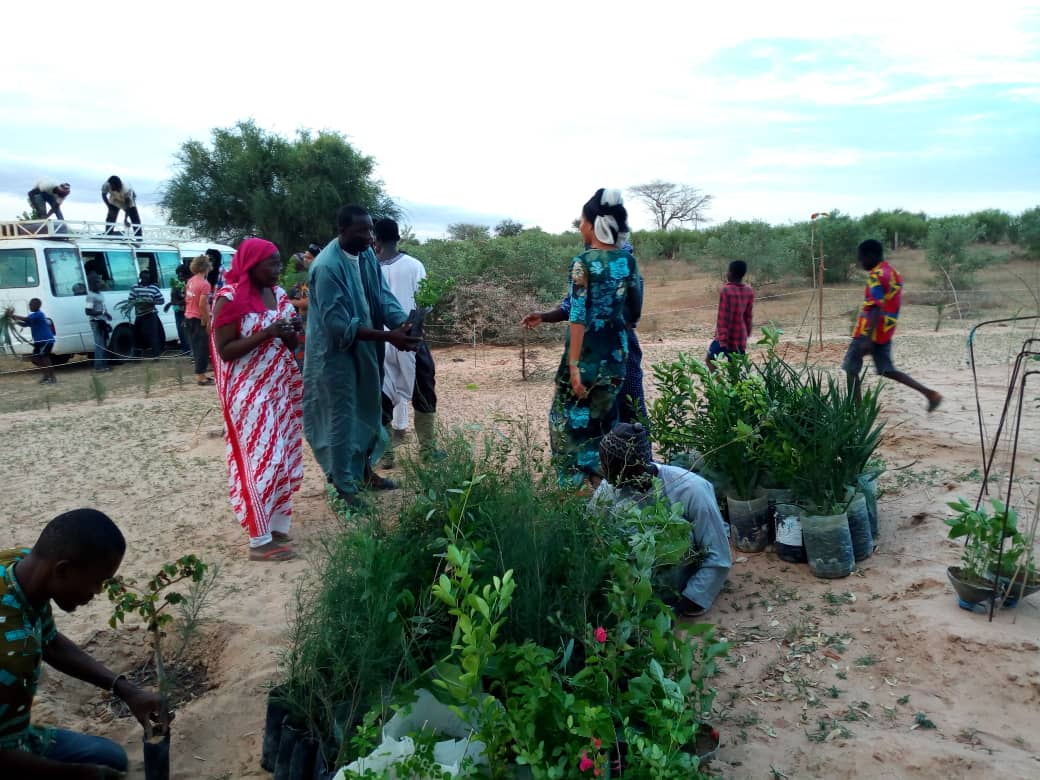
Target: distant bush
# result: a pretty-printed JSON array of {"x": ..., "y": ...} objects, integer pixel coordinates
[
  {"x": 498, "y": 279},
  {"x": 948, "y": 254},
  {"x": 768, "y": 255},
  {"x": 508, "y": 227},
  {"x": 841, "y": 235},
  {"x": 889, "y": 227},
  {"x": 991, "y": 225},
  {"x": 1027, "y": 227},
  {"x": 465, "y": 231}
]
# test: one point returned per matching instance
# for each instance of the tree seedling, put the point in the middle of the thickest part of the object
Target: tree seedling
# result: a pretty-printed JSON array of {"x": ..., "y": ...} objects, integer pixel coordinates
[{"x": 150, "y": 602}]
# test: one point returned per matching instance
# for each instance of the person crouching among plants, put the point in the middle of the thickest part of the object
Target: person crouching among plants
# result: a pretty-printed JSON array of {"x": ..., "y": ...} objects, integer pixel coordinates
[
  {"x": 876, "y": 324},
  {"x": 629, "y": 474},
  {"x": 74, "y": 556}
]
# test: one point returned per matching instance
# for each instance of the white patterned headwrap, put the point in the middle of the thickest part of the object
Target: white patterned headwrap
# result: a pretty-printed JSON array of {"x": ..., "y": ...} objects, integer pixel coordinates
[{"x": 605, "y": 226}]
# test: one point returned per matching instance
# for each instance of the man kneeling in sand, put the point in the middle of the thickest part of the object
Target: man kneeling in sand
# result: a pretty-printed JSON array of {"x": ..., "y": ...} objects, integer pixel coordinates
[
  {"x": 70, "y": 562},
  {"x": 628, "y": 478}
]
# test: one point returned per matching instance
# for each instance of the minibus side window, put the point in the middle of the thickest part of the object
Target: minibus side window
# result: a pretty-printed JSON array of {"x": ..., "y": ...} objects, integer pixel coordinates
[
  {"x": 168, "y": 262},
  {"x": 122, "y": 269},
  {"x": 18, "y": 268},
  {"x": 146, "y": 262},
  {"x": 94, "y": 263},
  {"x": 66, "y": 272}
]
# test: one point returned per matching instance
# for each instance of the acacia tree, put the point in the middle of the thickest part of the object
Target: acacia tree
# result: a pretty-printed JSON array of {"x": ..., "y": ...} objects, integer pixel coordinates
[
  {"x": 252, "y": 182},
  {"x": 467, "y": 231},
  {"x": 672, "y": 204},
  {"x": 508, "y": 227}
]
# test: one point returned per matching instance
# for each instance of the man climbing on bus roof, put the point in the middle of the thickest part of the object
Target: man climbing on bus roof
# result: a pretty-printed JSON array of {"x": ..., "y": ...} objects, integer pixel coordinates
[
  {"x": 120, "y": 196},
  {"x": 48, "y": 193}
]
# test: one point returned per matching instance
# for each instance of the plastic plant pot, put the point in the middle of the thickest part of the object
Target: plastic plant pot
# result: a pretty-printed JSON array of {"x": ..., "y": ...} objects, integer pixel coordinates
[
  {"x": 789, "y": 546},
  {"x": 828, "y": 545},
  {"x": 157, "y": 757},
  {"x": 749, "y": 522},
  {"x": 859, "y": 528}
]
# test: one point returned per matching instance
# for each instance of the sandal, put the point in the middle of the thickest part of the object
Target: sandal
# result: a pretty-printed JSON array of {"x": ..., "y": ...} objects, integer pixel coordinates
[
  {"x": 203, "y": 382},
  {"x": 275, "y": 554},
  {"x": 281, "y": 538}
]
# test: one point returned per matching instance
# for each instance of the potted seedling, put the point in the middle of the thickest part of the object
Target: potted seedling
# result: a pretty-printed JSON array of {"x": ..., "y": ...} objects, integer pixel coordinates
[
  {"x": 1016, "y": 567},
  {"x": 730, "y": 436},
  {"x": 151, "y": 602},
  {"x": 975, "y": 580},
  {"x": 830, "y": 450}
]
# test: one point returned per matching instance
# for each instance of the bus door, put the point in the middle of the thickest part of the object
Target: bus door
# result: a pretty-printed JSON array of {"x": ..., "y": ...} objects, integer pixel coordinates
[{"x": 67, "y": 304}]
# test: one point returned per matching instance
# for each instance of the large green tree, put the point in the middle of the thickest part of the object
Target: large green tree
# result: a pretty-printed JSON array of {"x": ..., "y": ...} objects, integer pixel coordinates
[{"x": 249, "y": 181}]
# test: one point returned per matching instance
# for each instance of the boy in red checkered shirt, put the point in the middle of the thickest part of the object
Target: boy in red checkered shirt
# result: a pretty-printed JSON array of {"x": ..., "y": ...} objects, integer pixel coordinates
[{"x": 733, "y": 326}]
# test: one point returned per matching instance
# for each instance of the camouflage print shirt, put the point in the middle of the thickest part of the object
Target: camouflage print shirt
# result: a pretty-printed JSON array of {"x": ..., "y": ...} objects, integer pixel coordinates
[{"x": 24, "y": 631}]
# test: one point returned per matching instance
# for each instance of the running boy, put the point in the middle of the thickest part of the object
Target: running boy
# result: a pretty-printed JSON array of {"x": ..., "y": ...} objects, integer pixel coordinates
[
  {"x": 876, "y": 324},
  {"x": 733, "y": 325},
  {"x": 42, "y": 336}
]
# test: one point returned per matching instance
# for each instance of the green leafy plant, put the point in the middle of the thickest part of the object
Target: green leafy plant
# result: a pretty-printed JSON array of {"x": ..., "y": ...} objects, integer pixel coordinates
[
  {"x": 836, "y": 436},
  {"x": 433, "y": 289},
  {"x": 983, "y": 532},
  {"x": 126, "y": 309},
  {"x": 151, "y": 603},
  {"x": 718, "y": 415},
  {"x": 532, "y": 614}
]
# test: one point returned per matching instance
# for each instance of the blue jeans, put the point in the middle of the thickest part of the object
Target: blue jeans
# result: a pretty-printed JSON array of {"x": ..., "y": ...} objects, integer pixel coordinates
[
  {"x": 69, "y": 747},
  {"x": 98, "y": 329},
  {"x": 182, "y": 332}
]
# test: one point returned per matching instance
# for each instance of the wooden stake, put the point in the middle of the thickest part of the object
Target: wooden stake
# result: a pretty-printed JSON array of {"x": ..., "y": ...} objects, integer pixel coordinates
[
  {"x": 523, "y": 354},
  {"x": 819, "y": 316}
]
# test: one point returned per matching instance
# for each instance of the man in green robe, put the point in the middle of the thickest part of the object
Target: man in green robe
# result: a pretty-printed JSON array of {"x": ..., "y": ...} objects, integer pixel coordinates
[{"x": 350, "y": 303}]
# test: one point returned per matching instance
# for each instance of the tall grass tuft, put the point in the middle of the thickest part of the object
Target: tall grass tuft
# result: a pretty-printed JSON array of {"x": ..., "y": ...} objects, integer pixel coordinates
[
  {"x": 367, "y": 623},
  {"x": 98, "y": 389}
]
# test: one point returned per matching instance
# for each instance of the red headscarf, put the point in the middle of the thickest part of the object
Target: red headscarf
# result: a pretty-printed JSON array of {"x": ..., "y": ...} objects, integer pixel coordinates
[{"x": 248, "y": 297}]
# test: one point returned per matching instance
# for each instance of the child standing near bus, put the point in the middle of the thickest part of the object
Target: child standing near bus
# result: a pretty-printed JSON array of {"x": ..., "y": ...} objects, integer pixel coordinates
[{"x": 42, "y": 336}]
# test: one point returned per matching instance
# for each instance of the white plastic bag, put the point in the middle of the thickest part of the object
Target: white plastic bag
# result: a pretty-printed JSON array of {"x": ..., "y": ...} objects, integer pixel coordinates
[{"x": 426, "y": 715}]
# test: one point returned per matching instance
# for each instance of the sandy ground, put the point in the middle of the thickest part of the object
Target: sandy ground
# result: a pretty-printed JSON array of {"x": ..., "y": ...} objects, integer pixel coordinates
[{"x": 826, "y": 678}]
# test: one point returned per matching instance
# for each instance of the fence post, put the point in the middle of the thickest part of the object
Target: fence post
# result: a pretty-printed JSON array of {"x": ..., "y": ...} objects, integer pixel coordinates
[{"x": 523, "y": 354}]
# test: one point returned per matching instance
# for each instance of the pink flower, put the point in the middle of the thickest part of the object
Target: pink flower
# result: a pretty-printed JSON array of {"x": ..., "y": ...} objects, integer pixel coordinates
[
  {"x": 586, "y": 763},
  {"x": 600, "y": 634}
]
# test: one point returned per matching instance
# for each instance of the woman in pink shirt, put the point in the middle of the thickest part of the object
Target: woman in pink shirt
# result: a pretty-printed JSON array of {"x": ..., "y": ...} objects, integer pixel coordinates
[{"x": 196, "y": 316}]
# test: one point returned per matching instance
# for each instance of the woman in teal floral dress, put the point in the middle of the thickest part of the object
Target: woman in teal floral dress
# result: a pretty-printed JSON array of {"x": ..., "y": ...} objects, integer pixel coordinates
[{"x": 604, "y": 296}]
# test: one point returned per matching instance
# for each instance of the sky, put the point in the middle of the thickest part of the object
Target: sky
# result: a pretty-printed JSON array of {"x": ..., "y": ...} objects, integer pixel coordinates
[{"x": 480, "y": 111}]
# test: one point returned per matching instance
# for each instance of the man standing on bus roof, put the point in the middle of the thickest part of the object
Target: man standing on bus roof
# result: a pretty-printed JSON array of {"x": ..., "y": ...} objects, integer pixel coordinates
[
  {"x": 119, "y": 195},
  {"x": 48, "y": 192}
]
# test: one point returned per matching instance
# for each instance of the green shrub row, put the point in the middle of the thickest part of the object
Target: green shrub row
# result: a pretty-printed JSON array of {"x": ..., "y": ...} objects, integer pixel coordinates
[{"x": 514, "y": 602}]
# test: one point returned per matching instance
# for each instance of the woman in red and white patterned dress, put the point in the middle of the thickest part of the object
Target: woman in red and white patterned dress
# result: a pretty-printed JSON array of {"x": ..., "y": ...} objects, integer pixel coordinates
[{"x": 261, "y": 392}]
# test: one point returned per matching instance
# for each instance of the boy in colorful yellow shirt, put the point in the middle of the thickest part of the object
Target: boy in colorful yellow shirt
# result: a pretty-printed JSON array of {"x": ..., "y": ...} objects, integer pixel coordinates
[{"x": 876, "y": 324}]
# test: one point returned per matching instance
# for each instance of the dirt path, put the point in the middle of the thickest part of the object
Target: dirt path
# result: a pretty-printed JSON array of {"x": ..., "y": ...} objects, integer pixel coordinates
[{"x": 826, "y": 679}]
